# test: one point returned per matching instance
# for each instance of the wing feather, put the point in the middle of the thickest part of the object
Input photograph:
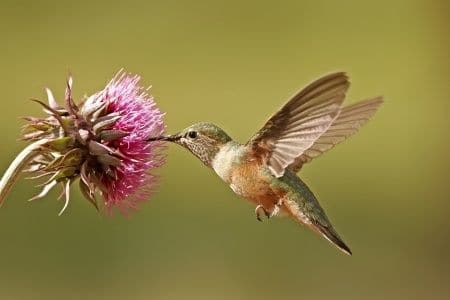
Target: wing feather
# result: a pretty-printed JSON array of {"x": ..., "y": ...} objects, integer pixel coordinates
[
  {"x": 350, "y": 119},
  {"x": 300, "y": 122}
]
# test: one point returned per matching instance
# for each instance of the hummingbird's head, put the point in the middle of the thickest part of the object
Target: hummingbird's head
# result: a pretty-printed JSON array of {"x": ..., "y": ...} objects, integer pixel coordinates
[{"x": 203, "y": 140}]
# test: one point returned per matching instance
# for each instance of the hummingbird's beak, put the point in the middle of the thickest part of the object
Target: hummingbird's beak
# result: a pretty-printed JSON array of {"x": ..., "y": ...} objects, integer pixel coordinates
[{"x": 167, "y": 138}]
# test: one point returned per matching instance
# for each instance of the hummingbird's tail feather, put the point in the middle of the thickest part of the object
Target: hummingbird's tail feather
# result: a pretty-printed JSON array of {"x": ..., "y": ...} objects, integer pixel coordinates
[
  {"x": 331, "y": 235},
  {"x": 315, "y": 218}
]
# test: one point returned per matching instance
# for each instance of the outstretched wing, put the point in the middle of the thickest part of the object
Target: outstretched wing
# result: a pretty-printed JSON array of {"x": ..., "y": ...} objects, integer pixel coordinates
[
  {"x": 300, "y": 122},
  {"x": 350, "y": 119}
]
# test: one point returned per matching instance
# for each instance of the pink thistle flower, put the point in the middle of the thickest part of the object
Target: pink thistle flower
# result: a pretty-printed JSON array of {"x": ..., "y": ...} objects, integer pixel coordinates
[
  {"x": 101, "y": 142},
  {"x": 140, "y": 118}
]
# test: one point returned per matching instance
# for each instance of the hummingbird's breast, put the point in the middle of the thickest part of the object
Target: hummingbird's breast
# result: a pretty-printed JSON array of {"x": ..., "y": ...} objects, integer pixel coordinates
[
  {"x": 236, "y": 165},
  {"x": 252, "y": 179}
]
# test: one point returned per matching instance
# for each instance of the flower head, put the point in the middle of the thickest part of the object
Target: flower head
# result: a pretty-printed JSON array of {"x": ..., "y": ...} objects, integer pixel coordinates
[{"x": 101, "y": 142}]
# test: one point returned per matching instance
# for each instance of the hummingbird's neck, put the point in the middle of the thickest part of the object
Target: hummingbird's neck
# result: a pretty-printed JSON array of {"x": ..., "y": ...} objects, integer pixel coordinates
[
  {"x": 224, "y": 160},
  {"x": 209, "y": 153}
]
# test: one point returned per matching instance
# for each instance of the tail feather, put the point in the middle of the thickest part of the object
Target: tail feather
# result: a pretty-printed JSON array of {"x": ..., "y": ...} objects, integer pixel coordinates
[
  {"x": 331, "y": 235},
  {"x": 303, "y": 206},
  {"x": 323, "y": 227}
]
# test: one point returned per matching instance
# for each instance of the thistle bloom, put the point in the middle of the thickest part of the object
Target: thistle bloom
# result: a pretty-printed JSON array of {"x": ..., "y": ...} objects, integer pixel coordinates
[{"x": 101, "y": 142}]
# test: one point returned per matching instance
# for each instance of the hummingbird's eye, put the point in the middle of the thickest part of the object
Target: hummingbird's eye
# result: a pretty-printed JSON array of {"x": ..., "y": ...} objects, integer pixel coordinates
[{"x": 192, "y": 134}]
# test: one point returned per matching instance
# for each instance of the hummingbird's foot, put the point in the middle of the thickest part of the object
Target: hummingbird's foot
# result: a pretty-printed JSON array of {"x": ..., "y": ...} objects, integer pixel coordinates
[
  {"x": 276, "y": 209},
  {"x": 258, "y": 210}
]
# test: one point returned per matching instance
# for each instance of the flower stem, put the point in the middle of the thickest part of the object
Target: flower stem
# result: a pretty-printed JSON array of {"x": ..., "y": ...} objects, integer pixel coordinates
[{"x": 19, "y": 163}]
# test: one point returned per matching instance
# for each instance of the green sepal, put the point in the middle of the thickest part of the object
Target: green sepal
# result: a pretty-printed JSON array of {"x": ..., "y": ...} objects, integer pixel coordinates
[
  {"x": 111, "y": 135},
  {"x": 72, "y": 158},
  {"x": 61, "y": 144},
  {"x": 88, "y": 194}
]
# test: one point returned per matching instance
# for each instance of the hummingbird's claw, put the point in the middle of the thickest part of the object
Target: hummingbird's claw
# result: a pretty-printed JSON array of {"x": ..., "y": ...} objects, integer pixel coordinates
[
  {"x": 276, "y": 208},
  {"x": 258, "y": 212}
]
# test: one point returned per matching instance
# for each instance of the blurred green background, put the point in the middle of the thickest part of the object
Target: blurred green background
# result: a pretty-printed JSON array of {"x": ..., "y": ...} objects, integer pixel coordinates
[{"x": 234, "y": 63}]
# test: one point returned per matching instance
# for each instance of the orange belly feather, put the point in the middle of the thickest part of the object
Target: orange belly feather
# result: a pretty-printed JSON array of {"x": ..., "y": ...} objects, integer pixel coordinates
[{"x": 249, "y": 181}]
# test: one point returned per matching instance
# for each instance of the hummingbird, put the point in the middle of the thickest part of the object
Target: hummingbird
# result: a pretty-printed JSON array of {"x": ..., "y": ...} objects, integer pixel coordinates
[{"x": 264, "y": 170}]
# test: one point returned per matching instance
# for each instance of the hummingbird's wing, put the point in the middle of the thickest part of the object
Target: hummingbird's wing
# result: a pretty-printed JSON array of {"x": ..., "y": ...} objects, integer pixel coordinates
[
  {"x": 300, "y": 122},
  {"x": 350, "y": 119}
]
